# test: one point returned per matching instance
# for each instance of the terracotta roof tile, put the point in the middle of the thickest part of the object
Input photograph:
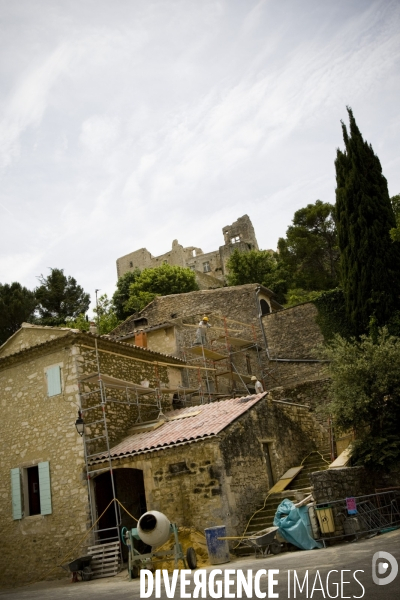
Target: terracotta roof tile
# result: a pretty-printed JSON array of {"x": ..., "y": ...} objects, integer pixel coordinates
[{"x": 210, "y": 420}]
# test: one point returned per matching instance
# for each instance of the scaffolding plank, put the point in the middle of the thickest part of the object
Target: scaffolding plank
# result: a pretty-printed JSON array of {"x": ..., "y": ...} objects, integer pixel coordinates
[
  {"x": 178, "y": 390},
  {"x": 235, "y": 376},
  {"x": 210, "y": 354},
  {"x": 236, "y": 341},
  {"x": 115, "y": 383}
]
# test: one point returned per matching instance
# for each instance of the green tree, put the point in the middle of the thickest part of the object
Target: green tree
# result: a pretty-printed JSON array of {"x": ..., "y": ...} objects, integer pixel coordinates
[
  {"x": 106, "y": 317},
  {"x": 160, "y": 281},
  {"x": 122, "y": 294},
  {"x": 60, "y": 298},
  {"x": 366, "y": 396},
  {"x": 17, "y": 304},
  {"x": 395, "y": 231},
  {"x": 258, "y": 266},
  {"x": 310, "y": 252},
  {"x": 369, "y": 261}
]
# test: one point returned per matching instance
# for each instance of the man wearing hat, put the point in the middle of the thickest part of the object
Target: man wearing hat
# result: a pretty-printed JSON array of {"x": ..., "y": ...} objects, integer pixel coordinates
[
  {"x": 258, "y": 385},
  {"x": 201, "y": 333}
]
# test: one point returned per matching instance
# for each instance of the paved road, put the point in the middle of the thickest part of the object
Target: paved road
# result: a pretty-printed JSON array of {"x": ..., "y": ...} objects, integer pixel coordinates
[{"x": 348, "y": 557}]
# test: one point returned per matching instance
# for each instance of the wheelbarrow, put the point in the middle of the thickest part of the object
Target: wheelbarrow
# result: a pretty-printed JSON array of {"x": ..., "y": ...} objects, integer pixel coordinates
[
  {"x": 262, "y": 542},
  {"x": 80, "y": 567}
]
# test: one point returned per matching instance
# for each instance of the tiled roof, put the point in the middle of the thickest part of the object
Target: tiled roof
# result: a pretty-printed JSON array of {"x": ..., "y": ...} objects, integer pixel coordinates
[
  {"x": 74, "y": 335},
  {"x": 207, "y": 420}
]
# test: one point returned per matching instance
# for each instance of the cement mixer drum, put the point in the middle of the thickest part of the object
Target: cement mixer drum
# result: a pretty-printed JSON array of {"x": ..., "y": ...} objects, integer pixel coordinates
[{"x": 154, "y": 528}]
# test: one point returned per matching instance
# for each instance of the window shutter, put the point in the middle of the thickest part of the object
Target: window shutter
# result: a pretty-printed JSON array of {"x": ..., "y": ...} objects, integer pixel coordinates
[
  {"x": 53, "y": 381},
  {"x": 16, "y": 494},
  {"x": 44, "y": 488}
]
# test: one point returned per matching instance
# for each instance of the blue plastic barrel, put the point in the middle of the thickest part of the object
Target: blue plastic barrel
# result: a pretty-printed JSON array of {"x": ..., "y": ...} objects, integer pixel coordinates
[{"x": 218, "y": 550}]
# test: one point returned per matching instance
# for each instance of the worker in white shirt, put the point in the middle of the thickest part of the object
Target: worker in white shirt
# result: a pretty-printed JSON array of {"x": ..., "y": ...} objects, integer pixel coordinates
[
  {"x": 201, "y": 333},
  {"x": 258, "y": 385}
]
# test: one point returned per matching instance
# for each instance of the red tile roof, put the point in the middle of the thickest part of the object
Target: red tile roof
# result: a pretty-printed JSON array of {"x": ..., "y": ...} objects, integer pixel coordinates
[{"x": 210, "y": 420}]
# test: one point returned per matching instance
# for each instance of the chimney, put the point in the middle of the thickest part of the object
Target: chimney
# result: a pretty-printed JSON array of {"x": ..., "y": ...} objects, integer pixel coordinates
[{"x": 93, "y": 328}]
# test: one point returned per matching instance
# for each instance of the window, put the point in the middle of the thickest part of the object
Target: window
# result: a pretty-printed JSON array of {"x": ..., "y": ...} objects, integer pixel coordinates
[
  {"x": 235, "y": 239},
  {"x": 30, "y": 491},
  {"x": 193, "y": 267},
  {"x": 130, "y": 264},
  {"x": 53, "y": 375},
  {"x": 206, "y": 267},
  {"x": 248, "y": 364}
]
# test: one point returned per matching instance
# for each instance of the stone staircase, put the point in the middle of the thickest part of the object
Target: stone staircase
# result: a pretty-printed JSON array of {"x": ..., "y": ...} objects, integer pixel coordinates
[{"x": 299, "y": 485}]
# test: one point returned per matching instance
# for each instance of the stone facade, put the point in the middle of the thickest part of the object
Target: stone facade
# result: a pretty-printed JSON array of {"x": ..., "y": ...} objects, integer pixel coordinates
[
  {"x": 31, "y": 335},
  {"x": 337, "y": 484},
  {"x": 170, "y": 324},
  {"x": 295, "y": 345},
  {"x": 210, "y": 268},
  {"x": 241, "y": 303},
  {"x": 37, "y": 429},
  {"x": 223, "y": 479}
]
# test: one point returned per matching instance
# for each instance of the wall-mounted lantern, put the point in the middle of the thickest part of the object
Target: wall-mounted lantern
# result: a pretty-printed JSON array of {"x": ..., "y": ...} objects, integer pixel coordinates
[{"x": 80, "y": 424}]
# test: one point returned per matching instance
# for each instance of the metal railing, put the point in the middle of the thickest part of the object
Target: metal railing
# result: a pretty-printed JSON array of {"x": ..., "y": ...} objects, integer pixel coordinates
[{"x": 359, "y": 516}]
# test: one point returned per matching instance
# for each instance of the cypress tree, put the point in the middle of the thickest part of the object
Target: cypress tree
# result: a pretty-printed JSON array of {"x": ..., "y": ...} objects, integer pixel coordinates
[{"x": 369, "y": 259}]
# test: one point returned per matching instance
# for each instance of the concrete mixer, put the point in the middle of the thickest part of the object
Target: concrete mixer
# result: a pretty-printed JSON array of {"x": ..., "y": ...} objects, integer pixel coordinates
[{"x": 154, "y": 529}]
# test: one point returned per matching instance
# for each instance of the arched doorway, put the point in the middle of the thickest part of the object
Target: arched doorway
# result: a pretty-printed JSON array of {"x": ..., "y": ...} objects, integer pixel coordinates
[{"x": 265, "y": 309}]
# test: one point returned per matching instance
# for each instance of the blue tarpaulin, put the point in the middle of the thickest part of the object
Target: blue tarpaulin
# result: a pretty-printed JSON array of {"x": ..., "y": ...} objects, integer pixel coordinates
[{"x": 294, "y": 524}]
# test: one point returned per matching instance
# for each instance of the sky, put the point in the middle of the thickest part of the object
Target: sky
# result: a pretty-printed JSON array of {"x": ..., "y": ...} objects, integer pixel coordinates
[{"x": 130, "y": 123}]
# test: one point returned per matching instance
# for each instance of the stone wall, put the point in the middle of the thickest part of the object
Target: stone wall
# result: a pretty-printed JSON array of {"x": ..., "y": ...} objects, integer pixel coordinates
[
  {"x": 29, "y": 336},
  {"x": 35, "y": 428},
  {"x": 223, "y": 479},
  {"x": 293, "y": 333},
  {"x": 312, "y": 393},
  {"x": 236, "y": 303},
  {"x": 339, "y": 484}
]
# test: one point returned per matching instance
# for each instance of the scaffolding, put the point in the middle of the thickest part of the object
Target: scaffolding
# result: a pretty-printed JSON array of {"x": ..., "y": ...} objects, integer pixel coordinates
[
  {"x": 98, "y": 392},
  {"x": 229, "y": 342}
]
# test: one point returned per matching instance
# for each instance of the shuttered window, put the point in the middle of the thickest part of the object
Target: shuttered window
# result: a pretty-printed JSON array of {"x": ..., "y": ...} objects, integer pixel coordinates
[
  {"x": 16, "y": 494},
  {"x": 44, "y": 492},
  {"x": 44, "y": 488},
  {"x": 53, "y": 375}
]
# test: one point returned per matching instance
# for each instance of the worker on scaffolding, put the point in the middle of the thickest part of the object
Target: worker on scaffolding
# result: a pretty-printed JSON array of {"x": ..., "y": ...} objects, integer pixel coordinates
[
  {"x": 258, "y": 385},
  {"x": 201, "y": 333}
]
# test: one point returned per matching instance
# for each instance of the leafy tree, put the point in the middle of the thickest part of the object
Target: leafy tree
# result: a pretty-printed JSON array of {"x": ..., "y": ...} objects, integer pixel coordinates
[
  {"x": 17, "y": 304},
  {"x": 122, "y": 293},
  {"x": 106, "y": 318},
  {"x": 366, "y": 396},
  {"x": 310, "y": 252},
  {"x": 81, "y": 322},
  {"x": 297, "y": 295},
  {"x": 395, "y": 231},
  {"x": 160, "y": 281},
  {"x": 370, "y": 261},
  {"x": 258, "y": 266},
  {"x": 59, "y": 298}
]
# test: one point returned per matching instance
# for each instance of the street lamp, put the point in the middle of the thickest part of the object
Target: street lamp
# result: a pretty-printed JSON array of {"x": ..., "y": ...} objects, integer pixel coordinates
[{"x": 80, "y": 424}]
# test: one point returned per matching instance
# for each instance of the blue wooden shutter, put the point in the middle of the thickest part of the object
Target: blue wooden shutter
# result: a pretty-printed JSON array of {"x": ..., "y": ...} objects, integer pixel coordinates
[
  {"x": 44, "y": 488},
  {"x": 16, "y": 494},
  {"x": 53, "y": 381}
]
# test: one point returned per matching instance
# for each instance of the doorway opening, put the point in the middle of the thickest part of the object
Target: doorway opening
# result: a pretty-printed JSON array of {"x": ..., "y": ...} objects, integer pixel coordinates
[
  {"x": 267, "y": 447},
  {"x": 129, "y": 489}
]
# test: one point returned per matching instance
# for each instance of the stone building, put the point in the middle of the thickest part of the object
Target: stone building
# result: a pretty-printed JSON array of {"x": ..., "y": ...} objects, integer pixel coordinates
[
  {"x": 44, "y": 507},
  {"x": 210, "y": 267},
  {"x": 202, "y": 465},
  {"x": 235, "y": 349}
]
